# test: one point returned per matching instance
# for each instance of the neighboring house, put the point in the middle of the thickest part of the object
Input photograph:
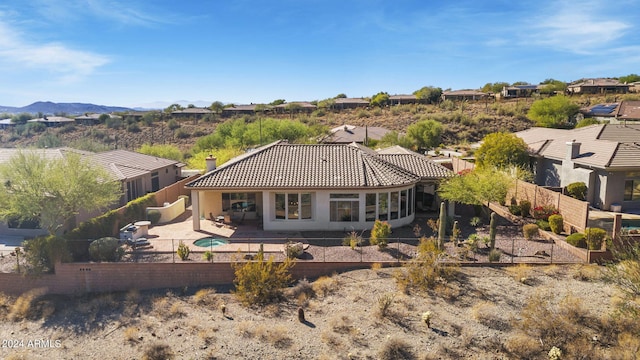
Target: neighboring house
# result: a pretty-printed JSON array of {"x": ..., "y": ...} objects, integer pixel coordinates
[
  {"x": 601, "y": 112},
  {"x": 298, "y": 106},
  {"x": 462, "y": 95},
  {"x": 88, "y": 119},
  {"x": 350, "y": 103},
  {"x": 52, "y": 121},
  {"x": 614, "y": 113},
  {"x": 519, "y": 91},
  {"x": 312, "y": 187},
  {"x": 403, "y": 99},
  {"x": 605, "y": 157},
  {"x": 239, "y": 110},
  {"x": 598, "y": 86},
  {"x": 6, "y": 123},
  {"x": 348, "y": 134},
  {"x": 193, "y": 113},
  {"x": 138, "y": 173}
]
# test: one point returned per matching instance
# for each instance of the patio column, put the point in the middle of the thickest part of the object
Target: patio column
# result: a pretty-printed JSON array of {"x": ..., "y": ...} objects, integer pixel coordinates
[{"x": 195, "y": 209}]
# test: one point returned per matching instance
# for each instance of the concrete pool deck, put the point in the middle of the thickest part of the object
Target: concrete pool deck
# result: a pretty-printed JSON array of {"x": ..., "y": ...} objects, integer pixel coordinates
[{"x": 166, "y": 237}]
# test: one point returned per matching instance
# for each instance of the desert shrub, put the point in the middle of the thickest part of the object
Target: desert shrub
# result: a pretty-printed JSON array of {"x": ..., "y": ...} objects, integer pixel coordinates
[
  {"x": 577, "y": 240},
  {"x": 577, "y": 190},
  {"x": 105, "y": 249},
  {"x": 199, "y": 133},
  {"x": 208, "y": 255},
  {"x": 543, "y": 212},
  {"x": 525, "y": 208},
  {"x": 380, "y": 234},
  {"x": 183, "y": 251},
  {"x": 515, "y": 209},
  {"x": 475, "y": 221},
  {"x": 261, "y": 281},
  {"x": 556, "y": 223},
  {"x": 362, "y": 114},
  {"x": 206, "y": 297},
  {"x": 595, "y": 237},
  {"x": 302, "y": 288},
  {"x": 543, "y": 224},
  {"x": 42, "y": 253},
  {"x": 113, "y": 123},
  {"x": 133, "y": 128},
  {"x": 396, "y": 349},
  {"x": 563, "y": 323},
  {"x": 26, "y": 305},
  {"x": 158, "y": 352},
  {"x": 325, "y": 285},
  {"x": 154, "y": 216},
  {"x": 427, "y": 270},
  {"x": 173, "y": 124},
  {"x": 293, "y": 250},
  {"x": 530, "y": 231},
  {"x": 494, "y": 255},
  {"x": 182, "y": 134},
  {"x": 384, "y": 305},
  {"x": 352, "y": 240}
]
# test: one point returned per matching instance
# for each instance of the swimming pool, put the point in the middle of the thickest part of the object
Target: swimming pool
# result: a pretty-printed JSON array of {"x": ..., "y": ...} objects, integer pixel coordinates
[{"x": 210, "y": 242}]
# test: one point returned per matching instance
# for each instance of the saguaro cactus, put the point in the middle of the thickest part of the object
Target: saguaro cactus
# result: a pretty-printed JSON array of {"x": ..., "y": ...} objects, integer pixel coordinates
[
  {"x": 492, "y": 230},
  {"x": 442, "y": 226}
]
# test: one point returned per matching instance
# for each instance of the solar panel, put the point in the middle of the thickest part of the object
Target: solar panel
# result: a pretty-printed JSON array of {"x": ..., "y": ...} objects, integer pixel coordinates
[{"x": 603, "y": 109}]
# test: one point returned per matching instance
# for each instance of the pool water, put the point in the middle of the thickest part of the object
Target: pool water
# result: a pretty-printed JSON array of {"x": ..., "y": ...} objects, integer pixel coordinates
[{"x": 210, "y": 242}]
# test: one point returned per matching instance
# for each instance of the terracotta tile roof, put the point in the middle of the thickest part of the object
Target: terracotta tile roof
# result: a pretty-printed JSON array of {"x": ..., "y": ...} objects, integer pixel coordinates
[
  {"x": 417, "y": 164},
  {"x": 623, "y": 133},
  {"x": 283, "y": 165},
  {"x": 597, "y": 82}
]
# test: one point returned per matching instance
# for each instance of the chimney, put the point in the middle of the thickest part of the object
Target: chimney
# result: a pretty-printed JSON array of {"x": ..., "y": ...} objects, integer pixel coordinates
[
  {"x": 211, "y": 162},
  {"x": 573, "y": 149}
]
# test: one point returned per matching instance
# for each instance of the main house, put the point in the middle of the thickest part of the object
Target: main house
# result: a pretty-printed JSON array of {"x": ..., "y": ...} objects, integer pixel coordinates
[
  {"x": 317, "y": 187},
  {"x": 605, "y": 157}
]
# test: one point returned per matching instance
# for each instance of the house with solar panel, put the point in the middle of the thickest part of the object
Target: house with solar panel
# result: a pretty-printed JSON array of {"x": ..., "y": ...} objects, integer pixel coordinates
[
  {"x": 605, "y": 157},
  {"x": 614, "y": 113},
  {"x": 317, "y": 187}
]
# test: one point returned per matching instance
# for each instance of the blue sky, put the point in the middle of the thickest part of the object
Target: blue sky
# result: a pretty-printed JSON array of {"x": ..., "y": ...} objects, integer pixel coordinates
[{"x": 137, "y": 53}]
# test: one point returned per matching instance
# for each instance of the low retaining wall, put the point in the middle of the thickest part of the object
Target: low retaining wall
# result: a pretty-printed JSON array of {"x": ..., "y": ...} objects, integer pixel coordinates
[
  {"x": 169, "y": 212},
  {"x": 79, "y": 278}
]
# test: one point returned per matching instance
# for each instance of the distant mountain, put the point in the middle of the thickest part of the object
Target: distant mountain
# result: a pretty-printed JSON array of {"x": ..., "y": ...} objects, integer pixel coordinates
[{"x": 49, "y": 108}]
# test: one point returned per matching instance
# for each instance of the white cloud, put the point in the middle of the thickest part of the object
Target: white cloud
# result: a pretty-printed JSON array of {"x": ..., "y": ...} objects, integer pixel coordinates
[
  {"x": 581, "y": 29},
  {"x": 69, "y": 64}
]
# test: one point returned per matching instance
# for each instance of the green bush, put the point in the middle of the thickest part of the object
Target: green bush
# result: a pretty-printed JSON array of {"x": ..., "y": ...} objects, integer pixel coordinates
[
  {"x": 556, "y": 223},
  {"x": 208, "y": 255},
  {"x": 595, "y": 237},
  {"x": 530, "y": 231},
  {"x": 293, "y": 250},
  {"x": 42, "y": 253},
  {"x": 515, "y": 209},
  {"x": 154, "y": 216},
  {"x": 137, "y": 209},
  {"x": 380, "y": 234},
  {"x": 544, "y": 225},
  {"x": 577, "y": 240},
  {"x": 105, "y": 249},
  {"x": 577, "y": 190},
  {"x": 183, "y": 251},
  {"x": 525, "y": 208}
]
